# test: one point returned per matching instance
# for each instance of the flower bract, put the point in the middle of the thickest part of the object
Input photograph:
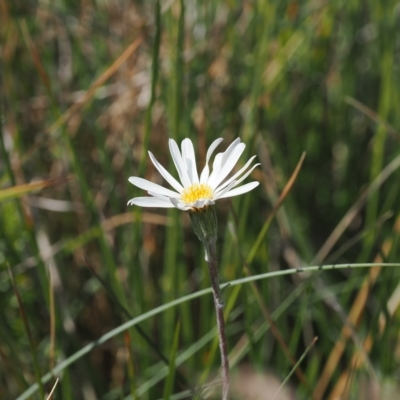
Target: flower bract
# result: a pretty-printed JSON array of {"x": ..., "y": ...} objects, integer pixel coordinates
[{"x": 194, "y": 191}]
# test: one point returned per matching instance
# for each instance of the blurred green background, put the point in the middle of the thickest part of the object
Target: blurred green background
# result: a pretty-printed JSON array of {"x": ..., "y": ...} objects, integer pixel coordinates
[{"x": 88, "y": 86}]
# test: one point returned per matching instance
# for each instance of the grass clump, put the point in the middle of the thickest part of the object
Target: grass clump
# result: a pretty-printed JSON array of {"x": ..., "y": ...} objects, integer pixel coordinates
[{"x": 87, "y": 88}]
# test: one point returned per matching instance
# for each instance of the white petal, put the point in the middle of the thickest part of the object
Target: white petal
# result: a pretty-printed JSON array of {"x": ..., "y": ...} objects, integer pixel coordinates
[
  {"x": 206, "y": 171},
  {"x": 229, "y": 150},
  {"x": 190, "y": 160},
  {"x": 181, "y": 206},
  {"x": 246, "y": 174},
  {"x": 160, "y": 196},
  {"x": 223, "y": 191},
  {"x": 165, "y": 174},
  {"x": 175, "y": 202},
  {"x": 242, "y": 178},
  {"x": 216, "y": 167},
  {"x": 228, "y": 166},
  {"x": 212, "y": 147},
  {"x": 202, "y": 203},
  {"x": 179, "y": 164},
  {"x": 199, "y": 203},
  {"x": 237, "y": 174},
  {"x": 241, "y": 190},
  {"x": 220, "y": 160},
  {"x": 204, "y": 174},
  {"x": 147, "y": 185},
  {"x": 149, "y": 202}
]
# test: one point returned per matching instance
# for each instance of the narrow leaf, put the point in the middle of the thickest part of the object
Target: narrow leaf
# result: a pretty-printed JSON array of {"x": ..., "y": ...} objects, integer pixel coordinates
[{"x": 170, "y": 379}]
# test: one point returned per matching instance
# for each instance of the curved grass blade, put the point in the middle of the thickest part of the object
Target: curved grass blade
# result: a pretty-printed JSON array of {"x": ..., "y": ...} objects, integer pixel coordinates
[
  {"x": 153, "y": 345},
  {"x": 122, "y": 328}
]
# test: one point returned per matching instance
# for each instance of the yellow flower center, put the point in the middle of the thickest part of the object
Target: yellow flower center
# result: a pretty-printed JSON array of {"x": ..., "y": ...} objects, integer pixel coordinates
[{"x": 198, "y": 191}]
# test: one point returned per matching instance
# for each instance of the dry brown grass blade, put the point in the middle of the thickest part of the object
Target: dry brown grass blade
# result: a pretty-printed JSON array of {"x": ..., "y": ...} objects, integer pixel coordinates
[
  {"x": 277, "y": 205},
  {"x": 127, "y": 218},
  {"x": 359, "y": 304},
  {"x": 74, "y": 108},
  {"x": 97, "y": 83},
  {"x": 289, "y": 185},
  {"x": 353, "y": 318},
  {"x": 110, "y": 71},
  {"x": 35, "y": 55},
  {"x": 264, "y": 310},
  {"x": 358, "y": 359},
  {"x": 339, "y": 390},
  {"x": 22, "y": 190}
]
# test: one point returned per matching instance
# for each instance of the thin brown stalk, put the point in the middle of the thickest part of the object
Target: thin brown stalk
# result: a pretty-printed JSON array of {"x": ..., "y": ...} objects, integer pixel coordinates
[
  {"x": 211, "y": 258},
  {"x": 277, "y": 205}
]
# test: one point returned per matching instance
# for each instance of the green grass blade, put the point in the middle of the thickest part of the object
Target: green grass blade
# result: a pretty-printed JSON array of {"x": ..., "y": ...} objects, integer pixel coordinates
[
  {"x": 28, "y": 334},
  {"x": 171, "y": 375},
  {"x": 85, "y": 350}
]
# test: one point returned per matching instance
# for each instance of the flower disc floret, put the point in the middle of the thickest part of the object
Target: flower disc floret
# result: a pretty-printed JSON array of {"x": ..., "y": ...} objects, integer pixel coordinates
[{"x": 196, "y": 192}]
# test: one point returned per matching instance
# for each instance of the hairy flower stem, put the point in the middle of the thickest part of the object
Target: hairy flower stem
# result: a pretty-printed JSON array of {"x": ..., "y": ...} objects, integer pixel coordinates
[{"x": 211, "y": 258}]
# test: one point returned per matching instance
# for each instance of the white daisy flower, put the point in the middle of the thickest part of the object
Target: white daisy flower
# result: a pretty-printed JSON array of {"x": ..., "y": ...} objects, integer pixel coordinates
[{"x": 194, "y": 191}]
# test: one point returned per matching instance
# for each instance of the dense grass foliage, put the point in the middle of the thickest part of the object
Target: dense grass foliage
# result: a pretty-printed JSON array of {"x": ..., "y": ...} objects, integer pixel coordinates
[{"x": 88, "y": 86}]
